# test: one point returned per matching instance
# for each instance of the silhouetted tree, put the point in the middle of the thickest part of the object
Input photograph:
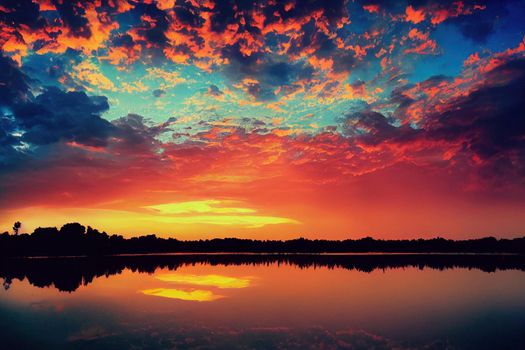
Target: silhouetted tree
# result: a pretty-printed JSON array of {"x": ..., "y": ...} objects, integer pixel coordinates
[
  {"x": 72, "y": 229},
  {"x": 45, "y": 232},
  {"x": 16, "y": 227}
]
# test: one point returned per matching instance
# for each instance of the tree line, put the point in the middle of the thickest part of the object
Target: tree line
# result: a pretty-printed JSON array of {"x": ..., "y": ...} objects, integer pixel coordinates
[{"x": 74, "y": 239}]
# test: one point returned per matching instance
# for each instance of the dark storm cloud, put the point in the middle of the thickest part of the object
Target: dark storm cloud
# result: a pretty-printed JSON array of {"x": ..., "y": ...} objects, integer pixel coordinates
[
  {"x": 57, "y": 128},
  {"x": 489, "y": 123},
  {"x": 14, "y": 84},
  {"x": 492, "y": 118},
  {"x": 56, "y": 115},
  {"x": 14, "y": 88},
  {"x": 51, "y": 117}
]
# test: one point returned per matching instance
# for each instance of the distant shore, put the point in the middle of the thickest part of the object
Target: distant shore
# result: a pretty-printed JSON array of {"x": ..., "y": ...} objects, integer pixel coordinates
[{"x": 74, "y": 239}]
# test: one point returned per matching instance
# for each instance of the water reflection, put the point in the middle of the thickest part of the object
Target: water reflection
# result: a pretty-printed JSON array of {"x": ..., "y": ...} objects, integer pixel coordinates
[
  {"x": 191, "y": 295},
  {"x": 206, "y": 280},
  {"x": 68, "y": 274},
  {"x": 268, "y": 302},
  {"x": 209, "y": 280}
]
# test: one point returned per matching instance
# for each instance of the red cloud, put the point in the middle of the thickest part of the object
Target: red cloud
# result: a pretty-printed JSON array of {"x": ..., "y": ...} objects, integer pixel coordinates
[{"x": 413, "y": 15}]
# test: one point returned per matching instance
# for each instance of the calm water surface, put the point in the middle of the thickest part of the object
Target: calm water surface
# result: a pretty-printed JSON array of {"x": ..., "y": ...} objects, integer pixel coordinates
[{"x": 268, "y": 305}]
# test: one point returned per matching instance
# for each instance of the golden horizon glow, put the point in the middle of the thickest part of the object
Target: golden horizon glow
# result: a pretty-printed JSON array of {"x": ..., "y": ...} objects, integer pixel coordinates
[
  {"x": 219, "y": 281},
  {"x": 201, "y": 206},
  {"x": 193, "y": 295},
  {"x": 247, "y": 221},
  {"x": 191, "y": 216},
  {"x": 214, "y": 209}
]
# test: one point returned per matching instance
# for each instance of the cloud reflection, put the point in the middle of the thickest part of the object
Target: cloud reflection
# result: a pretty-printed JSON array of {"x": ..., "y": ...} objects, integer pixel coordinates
[
  {"x": 218, "y": 281},
  {"x": 193, "y": 295}
]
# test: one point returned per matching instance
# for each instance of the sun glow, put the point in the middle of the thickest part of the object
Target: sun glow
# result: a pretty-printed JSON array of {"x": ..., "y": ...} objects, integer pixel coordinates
[{"x": 194, "y": 216}]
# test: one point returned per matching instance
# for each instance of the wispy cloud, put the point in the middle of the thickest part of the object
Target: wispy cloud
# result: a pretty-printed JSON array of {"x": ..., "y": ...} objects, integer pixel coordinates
[
  {"x": 202, "y": 206},
  {"x": 212, "y": 211}
]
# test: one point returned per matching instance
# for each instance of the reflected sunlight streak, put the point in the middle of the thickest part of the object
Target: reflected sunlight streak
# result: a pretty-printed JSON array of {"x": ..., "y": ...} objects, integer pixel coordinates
[
  {"x": 194, "y": 295},
  {"x": 218, "y": 281}
]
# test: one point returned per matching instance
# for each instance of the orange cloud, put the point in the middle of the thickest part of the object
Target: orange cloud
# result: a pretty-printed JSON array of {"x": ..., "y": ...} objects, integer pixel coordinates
[
  {"x": 371, "y": 8},
  {"x": 413, "y": 15}
]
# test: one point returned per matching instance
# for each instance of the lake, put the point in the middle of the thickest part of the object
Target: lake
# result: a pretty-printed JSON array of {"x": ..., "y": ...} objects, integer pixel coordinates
[{"x": 264, "y": 302}]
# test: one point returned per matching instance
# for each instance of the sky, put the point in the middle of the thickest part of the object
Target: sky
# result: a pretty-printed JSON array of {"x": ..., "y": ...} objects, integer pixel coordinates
[{"x": 264, "y": 119}]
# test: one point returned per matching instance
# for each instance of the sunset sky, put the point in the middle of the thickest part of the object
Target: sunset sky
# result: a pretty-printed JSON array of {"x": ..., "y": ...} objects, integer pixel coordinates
[{"x": 264, "y": 119}]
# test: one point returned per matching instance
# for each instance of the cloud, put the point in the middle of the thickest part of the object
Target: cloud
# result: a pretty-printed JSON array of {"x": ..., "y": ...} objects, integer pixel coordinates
[
  {"x": 479, "y": 25},
  {"x": 73, "y": 16},
  {"x": 213, "y": 90},
  {"x": 373, "y": 128},
  {"x": 413, "y": 15},
  {"x": 261, "y": 75},
  {"x": 214, "y": 212},
  {"x": 14, "y": 84},
  {"x": 245, "y": 221},
  {"x": 158, "y": 92},
  {"x": 487, "y": 124},
  {"x": 204, "y": 206},
  {"x": 52, "y": 116},
  {"x": 58, "y": 121},
  {"x": 89, "y": 75},
  {"x": 136, "y": 135},
  {"x": 55, "y": 115},
  {"x": 22, "y": 12},
  {"x": 490, "y": 120}
]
